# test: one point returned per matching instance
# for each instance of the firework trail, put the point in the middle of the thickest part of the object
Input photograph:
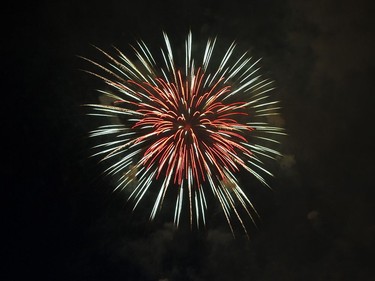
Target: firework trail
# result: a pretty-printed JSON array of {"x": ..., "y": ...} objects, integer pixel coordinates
[{"x": 192, "y": 128}]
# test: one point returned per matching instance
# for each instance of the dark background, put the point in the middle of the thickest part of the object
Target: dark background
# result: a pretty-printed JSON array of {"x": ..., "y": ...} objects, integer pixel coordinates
[{"x": 61, "y": 220}]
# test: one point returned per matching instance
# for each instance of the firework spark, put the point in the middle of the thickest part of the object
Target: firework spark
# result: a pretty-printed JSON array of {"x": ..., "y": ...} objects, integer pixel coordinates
[{"x": 188, "y": 128}]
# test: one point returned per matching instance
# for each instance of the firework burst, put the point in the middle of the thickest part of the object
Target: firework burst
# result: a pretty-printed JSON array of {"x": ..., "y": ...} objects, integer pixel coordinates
[{"x": 192, "y": 128}]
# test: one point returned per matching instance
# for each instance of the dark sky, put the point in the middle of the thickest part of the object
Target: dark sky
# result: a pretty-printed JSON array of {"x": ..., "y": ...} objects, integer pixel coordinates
[{"x": 62, "y": 221}]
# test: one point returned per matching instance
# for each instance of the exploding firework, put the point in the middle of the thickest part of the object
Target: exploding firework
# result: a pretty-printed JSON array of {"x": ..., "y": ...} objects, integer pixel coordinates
[{"x": 192, "y": 128}]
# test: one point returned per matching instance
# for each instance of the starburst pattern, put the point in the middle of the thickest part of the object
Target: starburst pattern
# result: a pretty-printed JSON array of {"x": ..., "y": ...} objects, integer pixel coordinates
[{"x": 188, "y": 128}]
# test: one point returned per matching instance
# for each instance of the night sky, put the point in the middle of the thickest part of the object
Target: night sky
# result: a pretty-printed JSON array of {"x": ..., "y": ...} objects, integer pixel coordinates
[{"x": 61, "y": 219}]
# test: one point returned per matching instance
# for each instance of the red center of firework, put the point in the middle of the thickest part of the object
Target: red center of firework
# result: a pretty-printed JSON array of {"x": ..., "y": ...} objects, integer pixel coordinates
[{"x": 190, "y": 128}]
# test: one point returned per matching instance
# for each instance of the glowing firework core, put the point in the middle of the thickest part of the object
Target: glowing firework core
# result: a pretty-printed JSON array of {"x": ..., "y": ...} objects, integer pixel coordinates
[{"x": 191, "y": 129}]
